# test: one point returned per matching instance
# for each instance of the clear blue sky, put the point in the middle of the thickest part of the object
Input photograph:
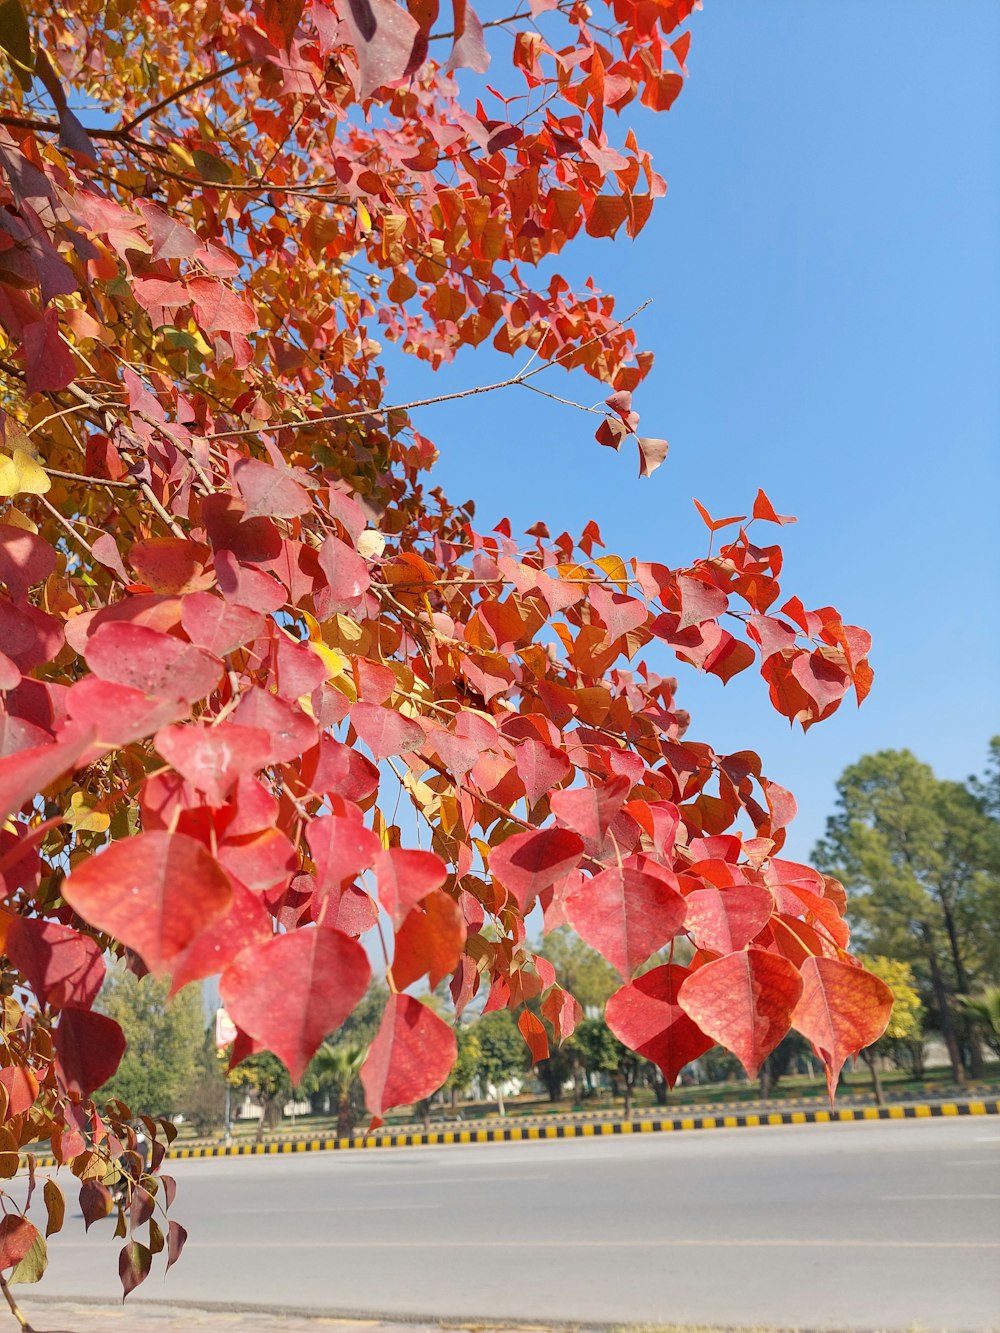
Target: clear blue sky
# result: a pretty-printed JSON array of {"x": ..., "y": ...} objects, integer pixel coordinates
[{"x": 826, "y": 323}]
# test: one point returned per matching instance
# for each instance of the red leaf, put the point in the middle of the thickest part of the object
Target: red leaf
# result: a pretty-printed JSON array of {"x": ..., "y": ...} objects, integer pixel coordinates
[
  {"x": 611, "y": 432},
  {"x": 714, "y": 524},
  {"x": 134, "y": 1262},
  {"x": 48, "y": 363},
  {"x": 430, "y": 940},
  {"x": 533, "y": 1031},
  {"x": 21, "y": 1088},
  {"x": 341, "y": 848},
  {"x": 155, "y": 892},
  {"x": 270, "y": 491},
  {"x": 620, "y": 614},
  {"x": 259, "y": 860},
  {"x": 218, "y": 309},
  {"x": 562, "y": 1011},
  {"x": 590, "y": 810},
  {"x": 539, "y": 767},
  {"x": 745, "y": 1002},
  {"x": 213, "y": 758},
  {"x": 96, "y": 1202},
  {"x": 383, "y": 35},
  {"x": 346, "y": 574},
  {"x": 354, "y": 912},
  {"x": 527, "y": 863},
  {"x": 291, "y": 992},
  {"x": 176, "y": 1238},
  {"x": 404, "y": 877},
  {"x": 725, "y": 921},
  {"x": 148, "y": 660},
  {"x": 625, "y": 915},
  {"x": 89, "y": 1049},
  {"x": 214, "y": 949},
  {"x": 169, "y": 564},
  {"x": 342, "y": 771},
  {"x": 117, "y": 714},
  {"x": 411, "y": 1056},
  {"x": 299, "y": 669},
  {"x": 762, "y": 508},
  {"x": 17, "y": 1235},
  {"x": 385, "y": 731},
  {"x": 26, "y": 773},
  {"x": 699, "y": 601},
  {"x": 62, "y": 967},
  {"x": 218, "y": 626},
  {"x": 469, "y": 50},
  {"x": 289, "y": 730},
  {"x": 842, "y": 1010},
  {"x": 282, "y": 17},
  {"x": 25, "y": 559},
  {"x": 647, "y": 1017}
]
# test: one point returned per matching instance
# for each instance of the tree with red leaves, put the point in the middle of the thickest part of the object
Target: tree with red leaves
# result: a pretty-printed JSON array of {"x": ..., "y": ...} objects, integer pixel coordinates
[{"x": 237, "y": 624}]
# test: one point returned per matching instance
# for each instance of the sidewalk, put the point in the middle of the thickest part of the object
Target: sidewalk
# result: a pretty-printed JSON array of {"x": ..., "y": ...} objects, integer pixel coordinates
[{"x": 138, "y": 1317}]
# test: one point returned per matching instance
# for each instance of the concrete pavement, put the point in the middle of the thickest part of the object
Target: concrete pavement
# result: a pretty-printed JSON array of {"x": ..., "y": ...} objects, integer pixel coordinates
[{"x": 872, "y": 1225}]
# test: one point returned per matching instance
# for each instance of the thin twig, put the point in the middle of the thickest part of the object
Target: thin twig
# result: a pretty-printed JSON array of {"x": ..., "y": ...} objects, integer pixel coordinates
[
  {"x": 521, "y": 377},
  {"x": 183, "y": 92},
  {"x": 15, "y": 1309}
]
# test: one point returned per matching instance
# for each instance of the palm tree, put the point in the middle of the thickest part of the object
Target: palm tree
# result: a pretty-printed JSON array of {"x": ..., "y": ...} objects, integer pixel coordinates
[
  {"x": 337, "y": 1068},
  {"x": 984, "y": 1011}
]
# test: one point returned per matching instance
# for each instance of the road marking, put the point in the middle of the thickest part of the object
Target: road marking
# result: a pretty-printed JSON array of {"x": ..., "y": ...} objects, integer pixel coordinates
[{"x": 663, "y": 1242}]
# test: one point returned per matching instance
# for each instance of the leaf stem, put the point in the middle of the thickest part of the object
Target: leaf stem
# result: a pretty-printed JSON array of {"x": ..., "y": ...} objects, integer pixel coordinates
[{"x": 14, "y": 1307}]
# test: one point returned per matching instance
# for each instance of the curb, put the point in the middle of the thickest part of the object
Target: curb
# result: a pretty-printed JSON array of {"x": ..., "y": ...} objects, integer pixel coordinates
[
  {"x": 515, "y": 1134},
  {"x": 676, "y": 1110}
]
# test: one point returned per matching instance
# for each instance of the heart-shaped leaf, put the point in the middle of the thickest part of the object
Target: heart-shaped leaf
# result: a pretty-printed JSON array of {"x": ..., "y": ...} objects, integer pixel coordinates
[
  {"x": 291, "y": 992},
  {"x": 155, "y": 892}
]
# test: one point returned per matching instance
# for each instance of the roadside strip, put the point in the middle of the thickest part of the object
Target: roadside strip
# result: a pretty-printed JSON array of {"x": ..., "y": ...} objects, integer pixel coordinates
[{"x": 591, "y": 1129}]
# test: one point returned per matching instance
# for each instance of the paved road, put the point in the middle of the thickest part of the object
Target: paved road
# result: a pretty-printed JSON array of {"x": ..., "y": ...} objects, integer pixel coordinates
[{"x": 857, "y": 1226}]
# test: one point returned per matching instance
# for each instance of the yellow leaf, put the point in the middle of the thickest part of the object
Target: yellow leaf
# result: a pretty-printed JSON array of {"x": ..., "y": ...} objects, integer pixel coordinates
[
  {"x": 333, "y": 662},
  {"x": 614, "y": 567},
  {"x": 15, "y": 519},
  {"x": 181, "y": 154},
  {"x": 21, "y": 475},
  {"x": 364, "y": 217},
  {"x": 83, "y": 818}
]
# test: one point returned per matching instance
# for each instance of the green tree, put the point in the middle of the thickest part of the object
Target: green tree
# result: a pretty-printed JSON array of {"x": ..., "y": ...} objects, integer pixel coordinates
[
  {"x": 579, "y": 968},
  {"x": 918, "y": 857},
  {"x": 165, "y": 1039},
  {"x": 602, "y": 1052},
  {"x": 335, "y": 1069},
  {"x": 906, "y": 1023},
  {"x": 470, "y": 1055},
  {"x": 984, "y": 1011},
  {"x": 266, "y": 1078},
  {"x": 202, "y": 1103},
  {"x": 502, "y": 1052}
]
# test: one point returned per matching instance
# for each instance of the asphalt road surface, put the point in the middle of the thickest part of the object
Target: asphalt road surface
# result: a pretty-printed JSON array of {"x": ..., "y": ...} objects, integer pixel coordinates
[{"x": 857, "y": 1226}]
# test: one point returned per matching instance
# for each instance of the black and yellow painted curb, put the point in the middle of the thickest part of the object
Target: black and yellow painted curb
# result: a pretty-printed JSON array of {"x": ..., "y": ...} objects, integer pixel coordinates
[{"x": 518, "y": 1134}]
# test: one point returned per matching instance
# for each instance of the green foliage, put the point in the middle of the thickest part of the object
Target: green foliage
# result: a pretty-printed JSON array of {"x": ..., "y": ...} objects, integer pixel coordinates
[
  {"x": 202, "y": 1103},
  {"x": 470, "y": 1057},
  {"x": 165, "y": 1038},
  {"x": 906, "y": 1023},
  {"x": 502, "y": 1052},
  {"x": 580, "y": 969},
  {"x": 920, "y": 858},
  {"x": 984, "y": 1011},
  {"x": 600, "y": 1050}
]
